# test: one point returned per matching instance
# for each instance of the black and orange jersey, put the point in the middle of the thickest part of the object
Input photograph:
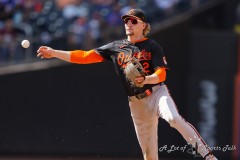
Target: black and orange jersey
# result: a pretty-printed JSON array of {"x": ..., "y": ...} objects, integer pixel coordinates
[{"x": 147, "y": 51}]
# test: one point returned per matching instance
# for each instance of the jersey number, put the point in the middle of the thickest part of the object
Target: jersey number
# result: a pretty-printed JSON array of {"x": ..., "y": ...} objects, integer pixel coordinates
[{"x": 146, "y": 66}]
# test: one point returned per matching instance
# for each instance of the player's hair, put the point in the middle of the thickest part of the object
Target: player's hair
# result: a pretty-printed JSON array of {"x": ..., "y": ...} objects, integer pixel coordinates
[{"x": 147, "y": 29}]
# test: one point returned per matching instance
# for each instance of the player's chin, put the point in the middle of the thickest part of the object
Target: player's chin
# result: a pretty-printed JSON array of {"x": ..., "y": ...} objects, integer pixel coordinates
[{"x": 129, "y": 33}]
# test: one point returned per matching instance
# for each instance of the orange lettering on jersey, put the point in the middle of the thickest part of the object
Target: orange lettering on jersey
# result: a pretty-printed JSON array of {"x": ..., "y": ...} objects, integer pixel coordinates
[
  {"x": 141, "y": 56},
  {"x": 120, "y": 58},
  {"x": 127, "y": 58},
  {"x": 135, "y": 54},
  {"x": 146, "y": 55}
]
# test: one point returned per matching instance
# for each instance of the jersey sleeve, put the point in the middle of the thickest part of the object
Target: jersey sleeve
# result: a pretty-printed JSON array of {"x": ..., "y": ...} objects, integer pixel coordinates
[
  {"x": 106, "y": 51},
  {"x": 159, "y": 58}
]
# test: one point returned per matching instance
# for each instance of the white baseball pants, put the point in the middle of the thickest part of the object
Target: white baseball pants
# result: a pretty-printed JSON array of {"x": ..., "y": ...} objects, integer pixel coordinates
[{"x": 145, "y": 114}]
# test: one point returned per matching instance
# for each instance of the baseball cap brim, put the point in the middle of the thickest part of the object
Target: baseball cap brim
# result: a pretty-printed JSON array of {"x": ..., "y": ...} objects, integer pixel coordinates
[{"x": 125, "y": 16}]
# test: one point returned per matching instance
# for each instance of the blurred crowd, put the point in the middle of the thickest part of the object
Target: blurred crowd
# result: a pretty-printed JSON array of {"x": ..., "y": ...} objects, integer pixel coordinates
[{"x": 72, "y": 24}]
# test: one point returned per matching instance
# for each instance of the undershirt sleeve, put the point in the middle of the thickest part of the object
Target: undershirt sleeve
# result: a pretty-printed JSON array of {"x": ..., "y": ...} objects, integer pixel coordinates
[{"x": 85, "y": 57}]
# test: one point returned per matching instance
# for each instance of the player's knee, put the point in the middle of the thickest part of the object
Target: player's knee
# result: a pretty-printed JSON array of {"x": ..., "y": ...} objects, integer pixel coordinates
[{"x": 175, "y": 120}]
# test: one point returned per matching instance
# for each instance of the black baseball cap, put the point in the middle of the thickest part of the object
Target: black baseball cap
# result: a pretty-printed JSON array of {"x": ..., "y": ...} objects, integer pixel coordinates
[{"x": 137, "y": 13}]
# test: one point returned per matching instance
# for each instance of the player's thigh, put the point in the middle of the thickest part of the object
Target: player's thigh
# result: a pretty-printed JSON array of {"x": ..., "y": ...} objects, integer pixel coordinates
[{"x": 167, "y": 107}]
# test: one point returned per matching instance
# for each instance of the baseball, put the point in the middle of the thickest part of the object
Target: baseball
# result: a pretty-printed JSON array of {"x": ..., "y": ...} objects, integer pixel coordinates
[{"x": 25, "y": 43}]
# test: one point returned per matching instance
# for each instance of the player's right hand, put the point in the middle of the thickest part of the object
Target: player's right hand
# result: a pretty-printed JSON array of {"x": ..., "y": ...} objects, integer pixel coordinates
[{"x": 45, "y": 52}]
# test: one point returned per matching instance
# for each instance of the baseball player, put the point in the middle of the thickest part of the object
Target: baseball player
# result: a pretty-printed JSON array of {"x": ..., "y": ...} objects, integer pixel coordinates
[{"x": 152, "y": 100}]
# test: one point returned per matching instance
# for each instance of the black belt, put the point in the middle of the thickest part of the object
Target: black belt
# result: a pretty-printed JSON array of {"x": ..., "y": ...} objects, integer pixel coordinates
[
  {"x": 143, "y": 95},
  {"x": 146, "y": 93}
]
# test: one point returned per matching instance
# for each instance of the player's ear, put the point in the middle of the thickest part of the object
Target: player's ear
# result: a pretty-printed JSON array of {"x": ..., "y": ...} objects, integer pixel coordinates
[{"x": 144, "y": 25}]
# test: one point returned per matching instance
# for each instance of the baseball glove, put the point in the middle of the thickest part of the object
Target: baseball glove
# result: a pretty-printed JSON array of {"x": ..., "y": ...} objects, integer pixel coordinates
[{"x": 134, "y": 69}]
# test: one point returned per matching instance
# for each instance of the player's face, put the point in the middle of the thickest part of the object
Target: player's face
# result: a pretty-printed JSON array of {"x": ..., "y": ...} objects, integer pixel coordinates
[{"x": 133, "y": 26}]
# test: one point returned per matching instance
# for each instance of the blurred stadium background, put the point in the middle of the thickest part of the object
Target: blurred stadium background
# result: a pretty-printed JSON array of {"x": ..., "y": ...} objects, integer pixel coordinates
[{"x": 50, "y": 109}]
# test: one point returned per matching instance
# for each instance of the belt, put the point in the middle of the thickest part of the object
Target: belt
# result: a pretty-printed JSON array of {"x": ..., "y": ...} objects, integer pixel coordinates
[
  {"x": 140, "y": 96},
  {"x": 147, "y": 92}
]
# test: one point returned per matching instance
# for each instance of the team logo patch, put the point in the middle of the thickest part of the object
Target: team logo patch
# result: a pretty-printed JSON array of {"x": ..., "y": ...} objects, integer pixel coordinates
[{"x": 165, "y": 60}]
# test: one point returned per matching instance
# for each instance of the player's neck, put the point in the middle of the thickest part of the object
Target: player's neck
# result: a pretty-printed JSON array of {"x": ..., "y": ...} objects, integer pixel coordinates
[{"x": 134, "y": 39}]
